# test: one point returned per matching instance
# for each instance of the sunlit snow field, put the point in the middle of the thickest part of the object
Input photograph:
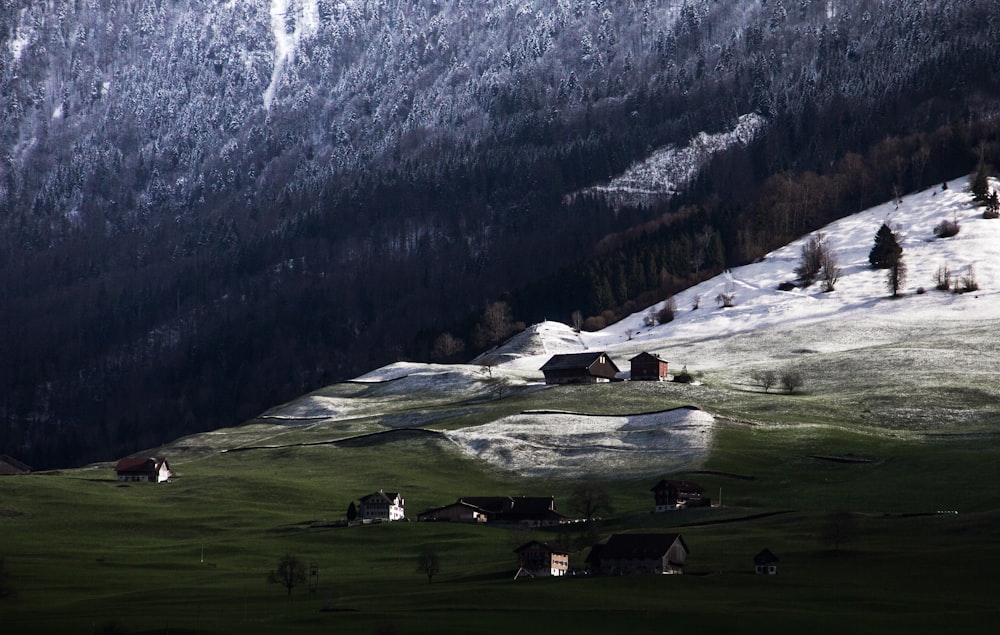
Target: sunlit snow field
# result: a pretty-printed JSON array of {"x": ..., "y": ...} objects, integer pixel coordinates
[{"x": 924, "y": 364}]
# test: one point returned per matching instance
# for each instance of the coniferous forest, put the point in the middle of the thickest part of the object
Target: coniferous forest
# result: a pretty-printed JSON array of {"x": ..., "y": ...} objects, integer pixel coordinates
[{"x": 207, "y": 209}]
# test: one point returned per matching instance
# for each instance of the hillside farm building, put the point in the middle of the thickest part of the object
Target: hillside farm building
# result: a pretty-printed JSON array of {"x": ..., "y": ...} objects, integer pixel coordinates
[
  {"x": 579, "y": 368},
  {"x": 143, "y": 469},
  {"x": 648, "y": 367},
  {"x": 535, "y": 511},
  {"x": 671, "y": 494},
  {"x": 542, "y": 559},
  {"x": 381, "y": 506},
  {"x": 639, "y": 553},
  {"x": 765, "y": 563}
]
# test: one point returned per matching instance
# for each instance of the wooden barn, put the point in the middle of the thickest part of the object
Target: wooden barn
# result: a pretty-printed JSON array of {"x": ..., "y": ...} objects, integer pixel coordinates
[
  {"x": 648, "y": 367},
  {"x": 579, "y": 368},
  {"x": 626, "y": 554}
]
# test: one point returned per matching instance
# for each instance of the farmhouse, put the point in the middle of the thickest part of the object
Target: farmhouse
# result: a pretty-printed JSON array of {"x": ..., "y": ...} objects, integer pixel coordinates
[
  {"x": 10, "y": 466},
  {"x": 381, "y": 506},
  {"x": 535, "y": 511},
  {"x": 648, "y": 367},
  {"x": 459, "y": 512},
  {"x": 542, "y": 559},
  {"x": 765, "y": 563},
  {"x": 143, "y": 469},
  {"x": 579, "y": 368},
  {"x": 672, "y": 494},
  {"x": 626, "y": 554}
]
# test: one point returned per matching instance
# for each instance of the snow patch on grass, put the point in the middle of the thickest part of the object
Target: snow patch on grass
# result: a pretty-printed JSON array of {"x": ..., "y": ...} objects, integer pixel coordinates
[{"x": 537, "y": 444}]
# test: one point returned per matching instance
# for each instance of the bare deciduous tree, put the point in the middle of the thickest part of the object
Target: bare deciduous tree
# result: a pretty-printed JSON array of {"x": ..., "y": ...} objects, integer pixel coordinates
[
  {"x": 589, "y": 500},
  {"x": 446, "y": 346},
  {"x": 428, "y": 563},
  {"x": 830, "y": 272},
  {"x": 766, "y": 379},
  {"x": 791, "y": 380},
  {"x": 290, "y": 573},
  {"x": 838, "y": 529}
]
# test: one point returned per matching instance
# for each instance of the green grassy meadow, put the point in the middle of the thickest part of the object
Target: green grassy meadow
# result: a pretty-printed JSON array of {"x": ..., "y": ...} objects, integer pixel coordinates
[{"x": 86, "y": 554}]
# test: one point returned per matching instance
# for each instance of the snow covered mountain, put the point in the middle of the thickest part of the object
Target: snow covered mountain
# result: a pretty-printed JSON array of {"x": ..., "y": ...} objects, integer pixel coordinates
[{"x": 210, "y": 207}]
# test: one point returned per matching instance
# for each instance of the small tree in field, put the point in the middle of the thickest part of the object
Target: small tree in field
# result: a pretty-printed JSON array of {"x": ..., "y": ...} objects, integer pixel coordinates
[
  {"x": 813, "y": 252},
  {"x": 428, "y": 563},
  {"x": 589, "y": 500},
  {"x": 942, "y": 279},
  {"x": 289, "y": 573},
  {"x": 896, "y": 277},
  {"x": 766, "y": 379},
  {"x": 838, "y": 529},
  {"x": 830, "y": 273},
  {"x": 791, "y": 380},
  {"x": 352, "y": 512}
]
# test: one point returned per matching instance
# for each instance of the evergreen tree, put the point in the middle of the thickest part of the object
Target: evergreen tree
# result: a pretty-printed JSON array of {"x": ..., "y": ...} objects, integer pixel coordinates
[
  {"x": 979, "y": 184},
  {"x": 886, "y": 251}
]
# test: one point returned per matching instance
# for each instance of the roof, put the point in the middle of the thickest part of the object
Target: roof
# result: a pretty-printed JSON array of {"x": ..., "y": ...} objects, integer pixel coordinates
[
  {"x": 575, "y": 361},
  {"x": 645, "y": 355},
  {"x": 512, "y": 505},
  {"x": 639, "y": 546},
  {"x": 765, "y": 557},
  {"x": 680, "y": 486},
  {"x": 545, "y": 546},
  {"x": 144, "y": 464},
  {"x": 389, "y": 497},
  {"x": 458, "y": 503}
]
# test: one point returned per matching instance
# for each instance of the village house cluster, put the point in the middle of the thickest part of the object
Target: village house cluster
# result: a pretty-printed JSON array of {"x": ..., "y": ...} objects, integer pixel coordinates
[{"x": 620, "y": 554}]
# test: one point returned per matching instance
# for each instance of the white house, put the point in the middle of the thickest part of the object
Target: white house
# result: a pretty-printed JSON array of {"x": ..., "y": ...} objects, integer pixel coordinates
[
  {"x": 381, "y": 506},
  {"x": 144, "y": 469}
]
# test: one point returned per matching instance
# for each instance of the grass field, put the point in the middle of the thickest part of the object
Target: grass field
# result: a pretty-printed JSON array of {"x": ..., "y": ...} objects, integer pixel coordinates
[{"x": 86, "y": 554}]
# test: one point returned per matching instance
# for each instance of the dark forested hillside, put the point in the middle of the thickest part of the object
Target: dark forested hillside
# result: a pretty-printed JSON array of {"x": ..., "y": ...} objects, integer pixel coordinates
[{"x": 207, "y": 208}]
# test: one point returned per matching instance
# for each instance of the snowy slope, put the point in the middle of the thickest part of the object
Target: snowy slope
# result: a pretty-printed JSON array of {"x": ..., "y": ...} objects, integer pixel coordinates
[
  {"x": 861, "y": 295},
  {"x": 869, "y": 341}
]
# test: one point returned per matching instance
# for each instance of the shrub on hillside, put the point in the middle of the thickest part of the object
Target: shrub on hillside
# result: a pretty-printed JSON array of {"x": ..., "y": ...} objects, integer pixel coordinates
[
  {"x": 942, "y": 278},
  {"x": 967, "y": 283},
  {"x": 786, "y": 286},
  {"x": 667, "y": 313},
  {"x": 683, "y": 377},
  {"x": 946, "y": 228},
  {"x": 594, "y": 323}
]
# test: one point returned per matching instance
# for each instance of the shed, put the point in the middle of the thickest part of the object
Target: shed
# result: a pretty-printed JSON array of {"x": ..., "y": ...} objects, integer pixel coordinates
[
  {"x": 648, "y": 367},
  {"x": 765, "y": 563}
]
